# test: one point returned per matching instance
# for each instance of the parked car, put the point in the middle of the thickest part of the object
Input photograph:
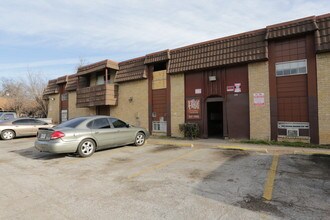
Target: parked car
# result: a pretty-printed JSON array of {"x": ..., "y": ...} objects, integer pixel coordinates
[
  {"x": 6, "y": 116},
  {"x": 21, "y": 127},
  {"x": 85, "y": 135}
]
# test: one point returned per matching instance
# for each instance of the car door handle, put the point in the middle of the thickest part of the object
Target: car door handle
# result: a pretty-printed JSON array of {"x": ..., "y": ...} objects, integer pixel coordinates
[{"x": 96, "y": 132}]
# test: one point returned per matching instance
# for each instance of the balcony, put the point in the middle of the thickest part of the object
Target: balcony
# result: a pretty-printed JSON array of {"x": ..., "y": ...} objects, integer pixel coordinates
[{"x": 97, "y": 95}]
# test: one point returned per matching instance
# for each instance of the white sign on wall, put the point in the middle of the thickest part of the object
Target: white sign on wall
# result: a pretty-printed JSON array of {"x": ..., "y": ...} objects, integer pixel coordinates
[
  {"x": 259, "y": 99},
  {"x": 198, "y": 91},
  {"x": 64, "y": 115},
  {"x": 237, "y": 88}
]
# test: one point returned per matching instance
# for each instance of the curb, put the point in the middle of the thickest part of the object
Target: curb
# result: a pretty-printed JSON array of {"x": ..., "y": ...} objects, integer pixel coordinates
[{"x": 285, "y": 150}]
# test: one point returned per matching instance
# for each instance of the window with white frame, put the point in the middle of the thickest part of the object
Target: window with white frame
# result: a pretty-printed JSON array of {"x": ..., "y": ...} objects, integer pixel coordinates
[
  {"x": 159, "y": 126},
  {"x": 289, "y": 68}
]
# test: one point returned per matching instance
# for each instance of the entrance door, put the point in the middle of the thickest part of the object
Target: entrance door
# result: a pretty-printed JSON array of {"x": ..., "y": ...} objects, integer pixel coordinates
[
  {"x": 215, "y": 119},
  {"x": 103, "y": 110}
]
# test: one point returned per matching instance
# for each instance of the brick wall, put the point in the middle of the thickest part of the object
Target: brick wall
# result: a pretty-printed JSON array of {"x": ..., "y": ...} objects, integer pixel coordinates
[
  {"x": 54, "y": 108},
  {"x": 323, "y": 85},
  {"x": 76, "y": 112},
  {"x": 259, "y": 115},
  {"x": 177, "y": 104},
  {"x": 134, "y": 112}
]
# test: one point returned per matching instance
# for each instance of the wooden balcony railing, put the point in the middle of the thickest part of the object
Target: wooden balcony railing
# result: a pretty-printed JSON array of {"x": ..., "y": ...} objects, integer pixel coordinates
[{"x": 97, "y": 95}]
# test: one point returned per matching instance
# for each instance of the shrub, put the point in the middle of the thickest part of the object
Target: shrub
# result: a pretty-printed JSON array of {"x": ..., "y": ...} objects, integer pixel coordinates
[{"x": 190, "y": 130}]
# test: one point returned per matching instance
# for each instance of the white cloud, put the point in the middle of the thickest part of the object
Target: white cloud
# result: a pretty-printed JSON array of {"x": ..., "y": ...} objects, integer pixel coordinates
[
  {"x": 127, "y": 28},
  {"x": 134, "y": 24}
]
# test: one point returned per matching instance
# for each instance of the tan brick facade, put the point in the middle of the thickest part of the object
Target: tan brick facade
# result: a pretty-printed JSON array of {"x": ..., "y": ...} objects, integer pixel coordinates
[
  {"x": 76, "y": 112},
  {"x": 259, "y": 114},
  {"x": 132, "y": 103},
  {"x": 323, "y": 86},
  {"x": 54, "y": 108},
  {"x": 177, "y": 104}
]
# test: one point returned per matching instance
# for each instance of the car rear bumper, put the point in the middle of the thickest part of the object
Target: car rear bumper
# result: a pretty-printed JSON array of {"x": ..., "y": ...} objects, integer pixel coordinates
[{"x": 56, "y": 146}]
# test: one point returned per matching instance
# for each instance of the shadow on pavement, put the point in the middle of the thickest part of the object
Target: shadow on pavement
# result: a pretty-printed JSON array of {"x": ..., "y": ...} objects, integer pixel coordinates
[{"x": 32, "y": 153}]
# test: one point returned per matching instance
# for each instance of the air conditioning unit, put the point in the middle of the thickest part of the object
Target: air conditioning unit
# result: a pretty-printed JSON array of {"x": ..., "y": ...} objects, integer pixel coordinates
[{"x": 292, "y": 132}]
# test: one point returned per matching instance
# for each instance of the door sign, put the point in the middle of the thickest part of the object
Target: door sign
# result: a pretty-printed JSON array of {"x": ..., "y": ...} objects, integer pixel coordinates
[
  {"x": 237, "y": 88},
  {"x": 193, "y": 108},
  {"x": 259, "y": 99}
]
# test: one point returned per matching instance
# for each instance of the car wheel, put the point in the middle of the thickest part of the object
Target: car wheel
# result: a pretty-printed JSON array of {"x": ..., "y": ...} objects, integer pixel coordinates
[
  {"x": 86, "y": 148},
  {"x": 140, "y": 139},
  {"x": 7, "y": 134}
]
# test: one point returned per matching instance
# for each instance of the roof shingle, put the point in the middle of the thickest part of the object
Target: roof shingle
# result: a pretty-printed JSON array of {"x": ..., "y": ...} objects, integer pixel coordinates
[
  {"x": 291, "y": 28},
  {"x": 97, "y": 66},
  {"x": 131, "y": 70},
  {"x": 250, "y": 46},
  {"x": 72, "y": 83},
  {"x": 323, "y": 34},
  {"x": 52, "y": 87},
  {"x": 157, "y": 57}
]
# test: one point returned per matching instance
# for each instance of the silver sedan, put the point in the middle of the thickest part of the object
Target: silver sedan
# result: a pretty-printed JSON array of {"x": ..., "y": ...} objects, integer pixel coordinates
[
  {"x": 85, "y": 135},
  {"x": 21, "y": 127}
]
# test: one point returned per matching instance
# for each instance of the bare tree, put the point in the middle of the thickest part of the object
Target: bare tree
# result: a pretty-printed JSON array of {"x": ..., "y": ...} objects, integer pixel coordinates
[
  {"x": 25, "y": 96},
  {"x": 82, "y": 62},
  {"x": 14, "y": 92},
  {"x": 35, "y": 85}
]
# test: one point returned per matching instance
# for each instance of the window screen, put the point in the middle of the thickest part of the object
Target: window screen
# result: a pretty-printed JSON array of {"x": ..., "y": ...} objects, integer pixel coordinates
[{"x": 291, "y": 68}]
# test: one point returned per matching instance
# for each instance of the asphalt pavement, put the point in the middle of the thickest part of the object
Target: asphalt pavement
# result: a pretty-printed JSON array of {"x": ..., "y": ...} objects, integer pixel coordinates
[{"x": 163, "y": 180}]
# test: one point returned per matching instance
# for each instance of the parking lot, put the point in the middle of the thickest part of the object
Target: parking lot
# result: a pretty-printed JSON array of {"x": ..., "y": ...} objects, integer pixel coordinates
[{"x": 162, "y": 182}]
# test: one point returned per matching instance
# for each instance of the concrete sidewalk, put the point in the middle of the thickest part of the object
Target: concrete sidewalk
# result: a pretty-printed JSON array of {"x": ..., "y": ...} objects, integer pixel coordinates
[{"x": 231, "y": 145}]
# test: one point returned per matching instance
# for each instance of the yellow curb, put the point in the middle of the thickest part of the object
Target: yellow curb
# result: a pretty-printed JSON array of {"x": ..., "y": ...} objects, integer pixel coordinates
[
  {"x": 174, "y": 144},
  {"x": 269, "y": 186},
  {"x": 242, "y": 148}
]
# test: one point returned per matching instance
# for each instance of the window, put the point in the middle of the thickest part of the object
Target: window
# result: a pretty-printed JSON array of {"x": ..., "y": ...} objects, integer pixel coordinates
[
  {"x": 100, "y": 80},
  {"x": 291, "y": 68},
  {"x": 39, "y": 122},
  {"x": 64, "y": 115},
  {"x": 73, "y": 123},
  {"x": 22, "y": 122},
  {"x": 64, "y": 97},
  {"x": 159, "y": 79},
  {"x": 100, "y": 123},
  {"x": 8, "y": 116},
  {"x": 159, "y": 126},
  {"x": 118, "y": 123}
]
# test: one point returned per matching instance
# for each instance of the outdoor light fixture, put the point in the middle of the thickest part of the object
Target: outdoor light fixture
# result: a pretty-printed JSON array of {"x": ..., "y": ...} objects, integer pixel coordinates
[
  {"x": 130, "y": 99},
  {"x": 52, "y": 99}
]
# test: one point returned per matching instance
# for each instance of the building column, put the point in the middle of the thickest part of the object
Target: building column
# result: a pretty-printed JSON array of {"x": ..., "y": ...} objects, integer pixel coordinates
[
  {"x": 177, "y": 104},
  {"x": 259, "y": 101},
  {"x": 323, "y": 94}
]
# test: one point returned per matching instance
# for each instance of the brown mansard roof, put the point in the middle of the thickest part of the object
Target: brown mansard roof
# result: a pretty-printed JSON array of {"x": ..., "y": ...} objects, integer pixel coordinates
[
  {"x": 291, "y": 28},
  {"x": 97, "y": 66},
  {"x": 323, "y": 34},
  {"x": 133, "y": 69},
  {"x": 157, "y": 57},
  {"x": 250, "y": 46},
  {"x": 241, "y": 48},
  {"x": 62, "y": 79},
  {"x": 51, "y": 88},
  {"x": 72, "y": 83}
]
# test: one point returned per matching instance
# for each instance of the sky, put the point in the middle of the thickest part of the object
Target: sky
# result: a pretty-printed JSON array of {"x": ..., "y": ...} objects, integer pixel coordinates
[{"x": 52, "y": 37}]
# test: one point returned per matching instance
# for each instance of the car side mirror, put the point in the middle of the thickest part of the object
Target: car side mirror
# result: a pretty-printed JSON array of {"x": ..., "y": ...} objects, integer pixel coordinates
[{"x": 127, "y": 126}]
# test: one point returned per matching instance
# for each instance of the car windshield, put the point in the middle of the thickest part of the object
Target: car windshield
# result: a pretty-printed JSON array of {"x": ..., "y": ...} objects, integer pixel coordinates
[{"x": 73, "y": 123}]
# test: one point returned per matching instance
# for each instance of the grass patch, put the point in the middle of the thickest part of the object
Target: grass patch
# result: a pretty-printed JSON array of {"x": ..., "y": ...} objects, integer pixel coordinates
[{"x": 285, "y": 144}]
